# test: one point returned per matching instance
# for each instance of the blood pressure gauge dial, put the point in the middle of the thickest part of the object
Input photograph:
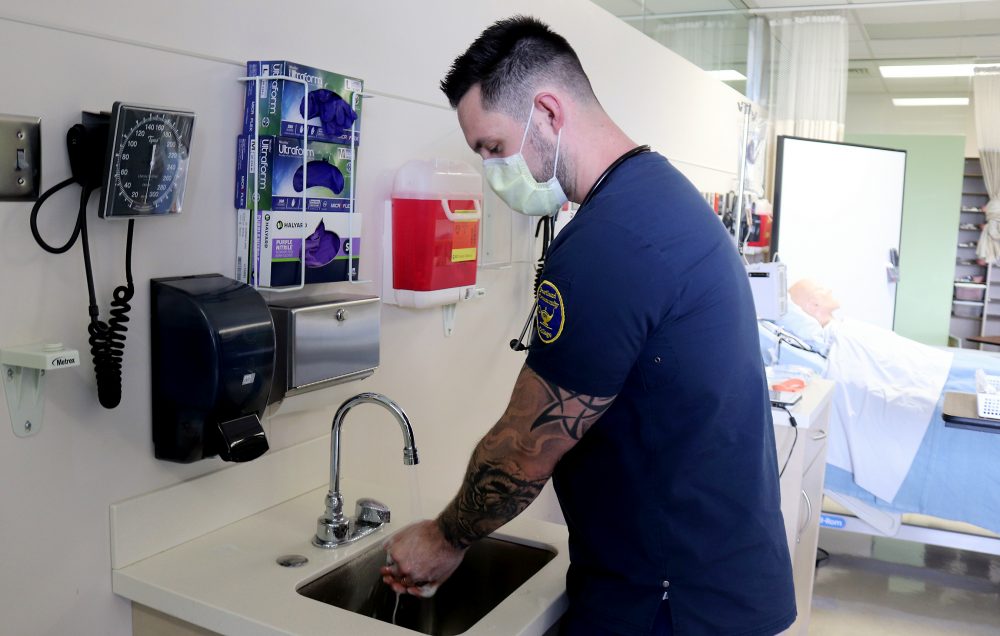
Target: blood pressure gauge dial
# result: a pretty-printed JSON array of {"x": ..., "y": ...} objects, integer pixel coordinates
[{"x": 146, "y": 162}]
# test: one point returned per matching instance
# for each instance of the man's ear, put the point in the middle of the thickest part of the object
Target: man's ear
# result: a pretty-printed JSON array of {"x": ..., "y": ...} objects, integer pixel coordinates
[{"x": 552, "y": 108}]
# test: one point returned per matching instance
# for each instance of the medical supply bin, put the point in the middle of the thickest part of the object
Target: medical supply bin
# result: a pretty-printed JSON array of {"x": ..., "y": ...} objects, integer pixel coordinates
[
  {"x": 970, "y": 291},
  {"x": 961, "y": 310}
]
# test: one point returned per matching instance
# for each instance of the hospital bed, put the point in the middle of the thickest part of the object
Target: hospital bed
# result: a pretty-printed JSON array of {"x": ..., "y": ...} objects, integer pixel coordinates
[{"x": 949, "y": 496}]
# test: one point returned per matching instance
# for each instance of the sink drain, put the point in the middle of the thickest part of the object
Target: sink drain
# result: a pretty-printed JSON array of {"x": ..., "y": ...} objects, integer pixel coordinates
[{"x": 292, "y": 560}]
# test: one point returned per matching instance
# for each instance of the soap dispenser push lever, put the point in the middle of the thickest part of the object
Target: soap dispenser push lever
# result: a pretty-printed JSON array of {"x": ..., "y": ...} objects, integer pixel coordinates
[{"x": 333, "y": 528}]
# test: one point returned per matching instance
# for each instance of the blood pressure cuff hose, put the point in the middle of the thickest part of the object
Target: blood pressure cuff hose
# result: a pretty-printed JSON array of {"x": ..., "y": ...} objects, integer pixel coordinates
[
  {"x": 330, "y": 108},
  {"x": 321, "y": 174}
]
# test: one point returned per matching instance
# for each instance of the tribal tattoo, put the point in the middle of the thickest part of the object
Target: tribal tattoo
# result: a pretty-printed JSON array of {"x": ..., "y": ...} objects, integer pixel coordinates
[
  {"x": 570, "y": 410},
  {"x": 515, "y": 459}
]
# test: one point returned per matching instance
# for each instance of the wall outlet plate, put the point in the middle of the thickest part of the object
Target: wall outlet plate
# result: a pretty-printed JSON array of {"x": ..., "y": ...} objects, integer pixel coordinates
[{"x": 20, "y": 157}]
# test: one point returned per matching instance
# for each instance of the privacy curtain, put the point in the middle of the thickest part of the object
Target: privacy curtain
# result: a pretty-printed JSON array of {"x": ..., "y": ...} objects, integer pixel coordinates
[
  {"x": 808, "y": 80},
  {"x": 808, "y": 93},
  {"x": 986, "y": 96},
  {"x": 720, "y": 43},
  {"x": 713, "y": 43}
]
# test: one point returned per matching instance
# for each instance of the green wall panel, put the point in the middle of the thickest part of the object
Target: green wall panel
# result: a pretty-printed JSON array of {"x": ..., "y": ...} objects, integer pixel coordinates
[{"x": 928, "y": 242}]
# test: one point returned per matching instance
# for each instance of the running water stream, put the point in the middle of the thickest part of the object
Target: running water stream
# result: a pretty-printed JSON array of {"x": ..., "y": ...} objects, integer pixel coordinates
[
  {"x": 413, "y": 479},
  {"x": 416, "y": 513},
  {"x": 395, "y": 608}
]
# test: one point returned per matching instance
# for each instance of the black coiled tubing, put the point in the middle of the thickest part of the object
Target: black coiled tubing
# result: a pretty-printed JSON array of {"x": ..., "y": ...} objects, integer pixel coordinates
[{"x": 107, "y": 339}]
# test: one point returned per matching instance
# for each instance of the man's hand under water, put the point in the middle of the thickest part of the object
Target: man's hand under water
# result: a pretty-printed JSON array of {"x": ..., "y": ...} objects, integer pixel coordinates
[
  {"x": 507, "y": 470},
  {"x": 419, "y": 559}
]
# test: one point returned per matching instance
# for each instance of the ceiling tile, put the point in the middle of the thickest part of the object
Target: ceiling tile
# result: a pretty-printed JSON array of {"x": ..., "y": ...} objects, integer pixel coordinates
[
  {"x": 620, "y": 7},
  {"x": 981, "y": 10},
  {"x": 682, "y": 6},
  {"x": 942, "y": 47},
  {"x": 767, "y": 4},
  {"x": 865, "y": 85},
  {"x": 982, "y": 46},
  {"x": 955, "y": 28},
  {"x": 911, "y": 13},
  {"x": 858, "y": 50}
]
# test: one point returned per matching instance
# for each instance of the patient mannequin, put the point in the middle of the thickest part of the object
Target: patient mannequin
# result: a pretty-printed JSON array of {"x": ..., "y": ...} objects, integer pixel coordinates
[{"x": 814, "y": 299}]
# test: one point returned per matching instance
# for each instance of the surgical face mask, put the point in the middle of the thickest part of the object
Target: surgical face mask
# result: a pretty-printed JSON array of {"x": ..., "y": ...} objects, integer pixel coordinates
[{"x": 513, "y": 182}]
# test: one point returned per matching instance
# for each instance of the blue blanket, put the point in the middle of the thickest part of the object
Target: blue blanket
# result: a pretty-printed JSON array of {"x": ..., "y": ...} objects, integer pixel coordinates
[{"x": 956, "y": 473}]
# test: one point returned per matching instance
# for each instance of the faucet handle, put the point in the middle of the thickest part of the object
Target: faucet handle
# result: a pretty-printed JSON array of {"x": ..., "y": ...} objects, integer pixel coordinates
[{"x": 371, "y": 512}]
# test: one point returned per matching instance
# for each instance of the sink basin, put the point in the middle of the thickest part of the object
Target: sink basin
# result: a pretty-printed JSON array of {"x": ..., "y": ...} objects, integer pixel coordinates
[{"x": 491, "y": 571}]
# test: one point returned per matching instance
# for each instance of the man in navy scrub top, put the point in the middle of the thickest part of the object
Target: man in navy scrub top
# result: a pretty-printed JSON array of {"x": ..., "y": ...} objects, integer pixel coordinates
[{"x": 643, "y": 395}]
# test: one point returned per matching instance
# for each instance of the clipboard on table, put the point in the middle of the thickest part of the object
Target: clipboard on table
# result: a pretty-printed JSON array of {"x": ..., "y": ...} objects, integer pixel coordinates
[{"x": 960, "y": 411}]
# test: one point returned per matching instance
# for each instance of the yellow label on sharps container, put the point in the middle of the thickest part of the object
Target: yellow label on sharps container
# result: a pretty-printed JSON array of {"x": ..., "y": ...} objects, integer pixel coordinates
[
  {"x": 464, "y": 254},
  {"x": 550, "y": 314},
  {"x": 464, "y": 238}
]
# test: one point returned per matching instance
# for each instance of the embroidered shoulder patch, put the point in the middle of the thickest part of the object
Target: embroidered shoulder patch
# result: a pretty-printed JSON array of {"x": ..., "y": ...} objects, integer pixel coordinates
[{"x": 550, "y": 314}]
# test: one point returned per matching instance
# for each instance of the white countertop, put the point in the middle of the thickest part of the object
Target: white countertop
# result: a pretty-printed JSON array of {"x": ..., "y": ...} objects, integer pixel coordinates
[
  {"x": 815, "y": 398},
  {"x": 215, "y": 567},
  {"x": 227, "y": 580}
]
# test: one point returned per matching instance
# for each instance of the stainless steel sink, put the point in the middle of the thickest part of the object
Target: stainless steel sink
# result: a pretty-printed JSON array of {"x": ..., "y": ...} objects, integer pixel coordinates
[{"x": 491, "y": 571}]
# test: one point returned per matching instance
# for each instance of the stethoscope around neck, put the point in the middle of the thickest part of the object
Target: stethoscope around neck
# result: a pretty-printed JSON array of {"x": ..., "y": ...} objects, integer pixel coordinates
[{"x": 517, "y": 344}]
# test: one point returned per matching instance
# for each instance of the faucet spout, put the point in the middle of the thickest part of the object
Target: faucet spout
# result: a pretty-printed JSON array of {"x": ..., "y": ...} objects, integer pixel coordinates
[{"x": 333, "y": 528}]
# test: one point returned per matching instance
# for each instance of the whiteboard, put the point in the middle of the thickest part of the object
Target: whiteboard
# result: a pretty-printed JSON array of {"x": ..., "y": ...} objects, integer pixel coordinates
[{"x": 838, "y": 210}]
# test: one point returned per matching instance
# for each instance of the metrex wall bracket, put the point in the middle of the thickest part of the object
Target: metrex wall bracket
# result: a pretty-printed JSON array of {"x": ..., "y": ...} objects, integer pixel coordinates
[{"x": 23, "y": 379}]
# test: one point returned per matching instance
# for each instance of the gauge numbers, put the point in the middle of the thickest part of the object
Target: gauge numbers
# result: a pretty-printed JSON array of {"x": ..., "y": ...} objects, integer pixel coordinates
[{"x": 148, "y": 158}]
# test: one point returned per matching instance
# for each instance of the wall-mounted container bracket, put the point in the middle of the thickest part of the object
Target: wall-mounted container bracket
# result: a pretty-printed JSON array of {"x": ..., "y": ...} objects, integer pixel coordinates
[{"x": 23, "y": 371}]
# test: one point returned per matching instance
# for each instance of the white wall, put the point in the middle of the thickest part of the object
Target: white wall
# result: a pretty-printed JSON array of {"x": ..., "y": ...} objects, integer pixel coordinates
[
  {"x": 875, "y": 115},
  {"x": 65, "y": 56}
]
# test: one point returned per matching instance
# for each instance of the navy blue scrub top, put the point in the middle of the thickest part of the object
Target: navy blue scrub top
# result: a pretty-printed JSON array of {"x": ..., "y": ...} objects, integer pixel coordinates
[{"x": 675, "y": 489}]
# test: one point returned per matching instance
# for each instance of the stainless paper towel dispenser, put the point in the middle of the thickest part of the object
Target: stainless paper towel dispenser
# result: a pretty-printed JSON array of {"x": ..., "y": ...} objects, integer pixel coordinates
[
  {"x": 212, "y": 351},
  {"x": 324, "y": 341}
]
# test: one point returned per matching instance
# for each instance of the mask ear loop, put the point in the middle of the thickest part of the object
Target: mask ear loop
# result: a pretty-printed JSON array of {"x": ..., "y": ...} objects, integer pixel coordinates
[
  {"x": 555, "y": 164},
  {"x": 527, "y": 127},
  {"x": 524, "y": 138}
]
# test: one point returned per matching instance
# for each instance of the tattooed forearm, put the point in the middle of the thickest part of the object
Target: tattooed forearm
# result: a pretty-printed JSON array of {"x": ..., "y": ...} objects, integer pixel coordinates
[
  {"x": 570, "y": 410},
  {"x": 516, "y": 458},
  {"x": 491, "y": 495}
]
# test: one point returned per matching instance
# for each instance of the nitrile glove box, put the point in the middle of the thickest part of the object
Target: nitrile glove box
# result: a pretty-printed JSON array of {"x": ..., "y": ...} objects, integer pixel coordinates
[
  {"x": 281, "y": 108},
  {"x": 248, "y": 164},
  {"x": 321, "y": 172},
  {"x": 332, "y": 247}
]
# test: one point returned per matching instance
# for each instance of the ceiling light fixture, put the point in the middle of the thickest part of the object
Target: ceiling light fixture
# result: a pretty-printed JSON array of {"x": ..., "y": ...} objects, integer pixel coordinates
[
  {"x": 727, "y": 75},
  {"x": 930, "y": 101},
  {"x": 927, "y": 70}
]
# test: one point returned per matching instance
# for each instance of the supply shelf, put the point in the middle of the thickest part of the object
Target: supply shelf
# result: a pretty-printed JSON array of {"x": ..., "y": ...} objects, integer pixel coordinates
[{"x": 974, "y": 311}]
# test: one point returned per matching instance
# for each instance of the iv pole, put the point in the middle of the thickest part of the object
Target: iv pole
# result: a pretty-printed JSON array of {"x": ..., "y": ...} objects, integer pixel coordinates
[{"x": 745, "y": 108}]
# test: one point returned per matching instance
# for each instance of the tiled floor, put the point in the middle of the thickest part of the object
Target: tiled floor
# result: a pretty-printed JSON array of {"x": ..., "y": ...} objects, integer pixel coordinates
[{"x": 907, "y": 588}]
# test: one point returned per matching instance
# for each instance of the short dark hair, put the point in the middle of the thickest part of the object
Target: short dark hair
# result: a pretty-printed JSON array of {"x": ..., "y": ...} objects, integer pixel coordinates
[{"x": 508, "y": 60}]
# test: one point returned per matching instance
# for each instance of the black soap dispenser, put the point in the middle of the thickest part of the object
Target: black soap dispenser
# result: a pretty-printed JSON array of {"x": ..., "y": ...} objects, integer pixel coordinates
[{"x": 213, "y": 360}]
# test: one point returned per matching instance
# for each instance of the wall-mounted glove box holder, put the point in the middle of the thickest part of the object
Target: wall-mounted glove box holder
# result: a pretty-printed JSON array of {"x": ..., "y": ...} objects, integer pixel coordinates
[{"x": 324, "y": 341}]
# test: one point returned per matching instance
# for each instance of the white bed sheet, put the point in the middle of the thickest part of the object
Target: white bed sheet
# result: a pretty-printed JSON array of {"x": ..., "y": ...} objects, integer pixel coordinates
[{"x": 884, "y": 399}]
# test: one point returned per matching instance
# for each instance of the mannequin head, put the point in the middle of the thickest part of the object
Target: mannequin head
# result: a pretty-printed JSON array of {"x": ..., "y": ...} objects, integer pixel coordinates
[{"x": 814, "y": 299}]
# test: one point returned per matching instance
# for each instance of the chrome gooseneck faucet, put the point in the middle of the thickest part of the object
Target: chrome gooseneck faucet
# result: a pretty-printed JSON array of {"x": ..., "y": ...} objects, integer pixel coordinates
[{"x": 333, "y": 528}]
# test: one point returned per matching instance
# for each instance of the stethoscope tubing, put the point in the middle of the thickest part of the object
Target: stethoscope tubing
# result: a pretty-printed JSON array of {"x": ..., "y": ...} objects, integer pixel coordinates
[{"x": 518, "y": 345}]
